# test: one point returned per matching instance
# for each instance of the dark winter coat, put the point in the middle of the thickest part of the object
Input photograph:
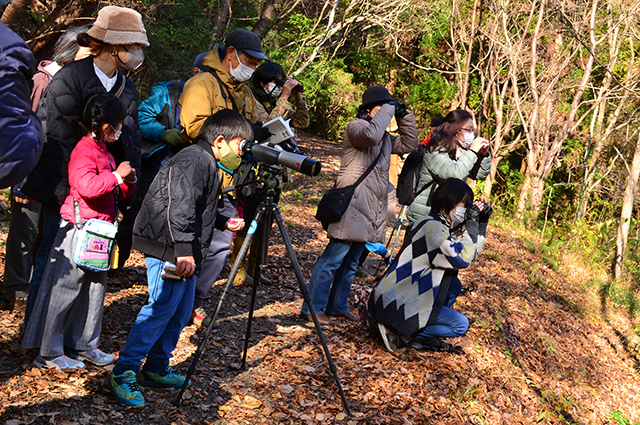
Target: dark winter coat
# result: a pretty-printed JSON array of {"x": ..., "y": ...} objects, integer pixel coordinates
[
  {"x": 21, "y": 136},
  {"x": 60, "y": 112},
  {"x": 178, "y": 213}
]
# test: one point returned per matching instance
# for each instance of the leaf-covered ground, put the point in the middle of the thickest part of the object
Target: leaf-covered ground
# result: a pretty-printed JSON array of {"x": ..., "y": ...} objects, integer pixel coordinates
[{"x": 542, "y": 348}]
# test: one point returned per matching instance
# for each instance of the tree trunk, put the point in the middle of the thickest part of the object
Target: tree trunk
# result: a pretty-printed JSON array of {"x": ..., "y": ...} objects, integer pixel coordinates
[
  {"x": 265, "y": 17},
  {"x": 627, "y": 209},
  {"x": 14, "y": 12}
]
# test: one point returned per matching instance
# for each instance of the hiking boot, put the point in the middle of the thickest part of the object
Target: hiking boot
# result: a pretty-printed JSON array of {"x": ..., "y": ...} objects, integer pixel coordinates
[
  {"x": 389, "y": 337},
  {"x": 263, "y": 279},
  {"x": 124, "y": 388},
  {"x": 166, "y": 379},
  {"x": 60, "y": 363},
  {"x": 97, "y": 357},
  {"x": 15, "y": 304},
  {"x": 200, "y": 318},
  {"x": 435, "y": 344}
]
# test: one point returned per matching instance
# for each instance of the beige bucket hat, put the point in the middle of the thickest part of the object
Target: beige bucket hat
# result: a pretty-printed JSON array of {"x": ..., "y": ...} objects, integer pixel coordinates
[{"x": 118, "y": 26}]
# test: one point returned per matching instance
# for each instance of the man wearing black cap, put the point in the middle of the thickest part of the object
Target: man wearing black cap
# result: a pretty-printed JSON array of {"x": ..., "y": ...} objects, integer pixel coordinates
[{"x": 223, "y": 87}]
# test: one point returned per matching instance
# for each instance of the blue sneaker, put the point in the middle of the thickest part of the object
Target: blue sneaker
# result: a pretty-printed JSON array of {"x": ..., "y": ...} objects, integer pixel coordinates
[
  {"x": 124, "y": 388},
  {"x": 166, "y": 379}
]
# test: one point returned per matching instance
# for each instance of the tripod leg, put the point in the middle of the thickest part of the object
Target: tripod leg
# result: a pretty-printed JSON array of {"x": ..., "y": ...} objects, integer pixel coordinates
[
  {"x": 305, "y": 295},
  {"x": 223, "y": 296},
  {"x": 263, "y": 243}
]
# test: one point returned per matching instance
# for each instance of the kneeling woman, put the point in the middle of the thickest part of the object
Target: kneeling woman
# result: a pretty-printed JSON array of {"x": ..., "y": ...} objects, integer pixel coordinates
[{"x": 413, "y": 301}]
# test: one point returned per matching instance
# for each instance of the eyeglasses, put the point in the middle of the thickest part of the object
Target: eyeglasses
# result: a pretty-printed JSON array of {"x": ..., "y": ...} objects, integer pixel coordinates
[{"x": 467, "y": 130}]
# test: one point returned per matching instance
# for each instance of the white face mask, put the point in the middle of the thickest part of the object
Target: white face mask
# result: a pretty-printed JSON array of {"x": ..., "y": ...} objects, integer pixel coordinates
[
  {"x": 468, "y": 139},
  {"x": 134, "y": 59},
  {"x": 457, "y": 215},
  {"x": 274, "y": 90},
  {"x": 242, "y": 72}
]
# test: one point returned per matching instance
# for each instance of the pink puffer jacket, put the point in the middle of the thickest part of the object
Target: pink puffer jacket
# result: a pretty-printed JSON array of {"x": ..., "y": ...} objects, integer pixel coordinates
[{"x": 93, "y": 183}]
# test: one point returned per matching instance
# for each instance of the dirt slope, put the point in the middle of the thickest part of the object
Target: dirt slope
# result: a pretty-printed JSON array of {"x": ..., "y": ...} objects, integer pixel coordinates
[{"x": 535, "y": 353}]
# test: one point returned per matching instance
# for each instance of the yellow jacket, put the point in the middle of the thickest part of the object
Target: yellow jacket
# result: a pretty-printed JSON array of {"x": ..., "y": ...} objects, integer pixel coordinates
[{"x": 203, "y": 96}]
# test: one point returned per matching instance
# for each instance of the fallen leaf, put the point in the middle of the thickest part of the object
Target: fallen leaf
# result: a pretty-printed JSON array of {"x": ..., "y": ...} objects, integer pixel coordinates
[{"x": 251, "y": 402}]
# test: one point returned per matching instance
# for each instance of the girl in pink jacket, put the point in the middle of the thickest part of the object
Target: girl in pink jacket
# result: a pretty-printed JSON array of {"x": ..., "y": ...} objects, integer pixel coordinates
[{"x": 67, "y": 316}]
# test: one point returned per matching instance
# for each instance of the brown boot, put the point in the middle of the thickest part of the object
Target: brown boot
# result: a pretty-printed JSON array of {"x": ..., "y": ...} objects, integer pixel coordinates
[
  {"x": 253, "y": 255},
  {"x": 241, "y": 276}
]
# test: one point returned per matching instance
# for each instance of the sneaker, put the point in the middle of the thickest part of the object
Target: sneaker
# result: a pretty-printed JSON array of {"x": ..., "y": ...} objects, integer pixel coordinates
[
  {"x": 60, "y": 363},
  {"x": 97, "y": 357},
  {"x": 200, "y": 318},
  {"x": 124, "y": 388},
  {"x": 166, "y": 379},
  {"x": 389, "y": 338}
]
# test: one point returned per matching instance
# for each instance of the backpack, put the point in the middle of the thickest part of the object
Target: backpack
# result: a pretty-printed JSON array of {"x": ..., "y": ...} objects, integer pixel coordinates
[{"x": 409, "y": 177}]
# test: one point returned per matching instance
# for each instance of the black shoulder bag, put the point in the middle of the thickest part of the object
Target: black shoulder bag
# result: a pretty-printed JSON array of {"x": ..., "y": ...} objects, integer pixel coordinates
[{"x": 335, "y": 201}]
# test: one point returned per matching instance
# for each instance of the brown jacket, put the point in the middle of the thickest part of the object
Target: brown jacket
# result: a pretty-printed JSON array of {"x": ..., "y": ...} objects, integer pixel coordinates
[{"x": 365, "y": 218}]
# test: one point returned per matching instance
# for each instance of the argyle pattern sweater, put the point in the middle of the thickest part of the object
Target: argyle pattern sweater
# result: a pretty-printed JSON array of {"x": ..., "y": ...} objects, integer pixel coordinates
[{"x": 406, "y": 296}]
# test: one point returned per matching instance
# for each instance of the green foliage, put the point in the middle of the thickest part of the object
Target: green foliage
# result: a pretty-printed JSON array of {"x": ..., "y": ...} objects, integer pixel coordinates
[{"x": 621, "y": 419}]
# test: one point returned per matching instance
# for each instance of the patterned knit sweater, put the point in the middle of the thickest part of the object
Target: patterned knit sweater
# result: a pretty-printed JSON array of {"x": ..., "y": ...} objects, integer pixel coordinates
[{"x": 406, "y": 297}]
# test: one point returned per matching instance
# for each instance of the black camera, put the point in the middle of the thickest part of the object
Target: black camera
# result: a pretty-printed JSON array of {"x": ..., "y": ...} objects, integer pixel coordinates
[
  {"x": 271, "y": 154},
  {"x": 297, "y": 88}
]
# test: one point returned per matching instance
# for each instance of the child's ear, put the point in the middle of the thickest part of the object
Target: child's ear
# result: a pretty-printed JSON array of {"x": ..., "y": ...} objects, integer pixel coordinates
[{"x": 216, "y": 145}]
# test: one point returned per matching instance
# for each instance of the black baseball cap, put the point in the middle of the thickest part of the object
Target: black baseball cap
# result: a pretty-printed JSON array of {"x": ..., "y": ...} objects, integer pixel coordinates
[{"x": 246, "y": 41}]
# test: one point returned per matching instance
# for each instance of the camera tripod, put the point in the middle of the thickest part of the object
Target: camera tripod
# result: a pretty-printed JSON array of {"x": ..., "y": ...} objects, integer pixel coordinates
[{"x": 261, "y": 224}]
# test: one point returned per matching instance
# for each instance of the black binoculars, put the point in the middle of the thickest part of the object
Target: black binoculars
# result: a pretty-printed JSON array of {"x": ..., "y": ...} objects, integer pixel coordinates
[{"x": 298, "y": 88}]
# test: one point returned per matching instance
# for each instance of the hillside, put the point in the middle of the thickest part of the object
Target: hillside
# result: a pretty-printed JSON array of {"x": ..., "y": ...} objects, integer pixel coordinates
[{"x": 543, "y": 347}]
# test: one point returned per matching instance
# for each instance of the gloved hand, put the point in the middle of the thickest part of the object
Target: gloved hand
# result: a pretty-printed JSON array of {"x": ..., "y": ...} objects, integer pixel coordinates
[
  {"x": 172, "y": 137},
  {"x": 473, "y": 212},
  {"x": 260, "y": 133},
  {"x": 486, "y": 212},
  {"x": 401, "y": 108}
]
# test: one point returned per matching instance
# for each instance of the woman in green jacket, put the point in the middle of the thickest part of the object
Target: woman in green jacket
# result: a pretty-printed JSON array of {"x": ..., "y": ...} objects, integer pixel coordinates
[{"x": 453, "y": 152}]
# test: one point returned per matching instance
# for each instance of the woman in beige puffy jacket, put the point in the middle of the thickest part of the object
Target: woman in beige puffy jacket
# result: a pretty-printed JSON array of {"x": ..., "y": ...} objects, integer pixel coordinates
[{"x": 365, "y": 218}]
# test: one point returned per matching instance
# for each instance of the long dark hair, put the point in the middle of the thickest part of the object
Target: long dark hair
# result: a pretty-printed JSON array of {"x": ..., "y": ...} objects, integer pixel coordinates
[
  {"x": 449, "y": 194},
  {"x": 443, "y": 136}
]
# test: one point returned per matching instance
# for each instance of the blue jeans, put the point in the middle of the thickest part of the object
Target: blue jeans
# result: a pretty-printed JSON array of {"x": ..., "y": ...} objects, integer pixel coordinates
[
  {"x": 157, "y": 329},
  {"x": 50, "y": 225},
  {"x": 449, "y": 323},
  {"x": 331, "y": 279}
]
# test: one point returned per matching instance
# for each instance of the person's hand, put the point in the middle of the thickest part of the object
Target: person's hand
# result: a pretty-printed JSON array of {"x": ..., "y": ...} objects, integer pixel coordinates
[
  {"x": 260, "y": 133},
  {"x": 185, "y": 266},
  {"x": 485, "y": 211},
  {"x": 235, "y": 224},
  {"x": 473, "y": 211},
  {"x": 20, "y": 199},
  {"x": 125, "y": 170},
  {"x": 401, "y": 108},
  {"x": 480, "y": 146},
  {"x": 288, "y": 87},
  {"x": 132, "y": 177},
  {"x": 172, "y": 136}
]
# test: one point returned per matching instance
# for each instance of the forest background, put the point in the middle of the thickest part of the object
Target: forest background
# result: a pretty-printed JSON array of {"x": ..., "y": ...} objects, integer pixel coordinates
[{"x": 553, "y": 84}]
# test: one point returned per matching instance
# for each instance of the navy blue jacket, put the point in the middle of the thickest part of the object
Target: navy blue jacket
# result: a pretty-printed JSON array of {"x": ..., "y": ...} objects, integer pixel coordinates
[{"x": 21, "y": 135}]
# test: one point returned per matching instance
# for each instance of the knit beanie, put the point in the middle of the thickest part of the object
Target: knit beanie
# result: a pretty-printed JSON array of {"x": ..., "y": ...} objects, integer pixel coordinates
[
  {"x": 119, "y": 26},
  {"x": 374, "y": 95}
]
